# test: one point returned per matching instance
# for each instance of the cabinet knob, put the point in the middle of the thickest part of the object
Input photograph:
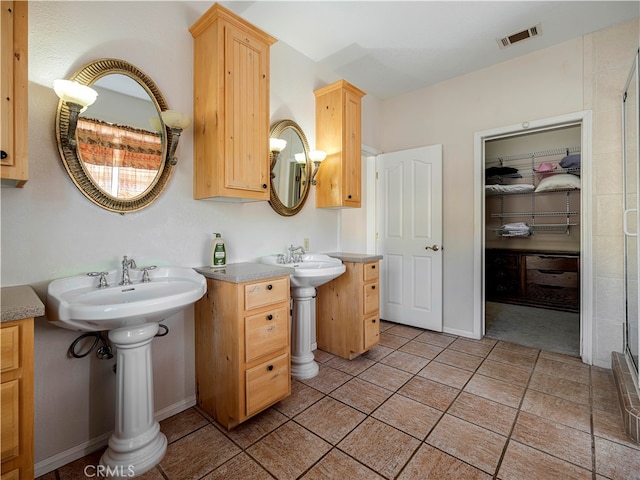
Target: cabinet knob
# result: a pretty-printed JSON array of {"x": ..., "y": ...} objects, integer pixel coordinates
[
  {"x": 269, "y": 317},
  {"x": 264, "y": 185},
  {"x": 373, "y": 321},
  {"x": 269, "y": 287},
  {"x": 373, "y": 266},
  {"x": 3, "y": 155},
  {"x": 270, "y": 367},
  {"x": 349, "y": 197},
  {"x": 373, "y": 287}
]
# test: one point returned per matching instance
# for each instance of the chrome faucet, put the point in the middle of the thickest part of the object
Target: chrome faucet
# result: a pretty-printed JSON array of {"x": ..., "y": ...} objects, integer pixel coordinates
[
  {"x": 126, "y": 265},
  {"x": 295, "y": 254}
]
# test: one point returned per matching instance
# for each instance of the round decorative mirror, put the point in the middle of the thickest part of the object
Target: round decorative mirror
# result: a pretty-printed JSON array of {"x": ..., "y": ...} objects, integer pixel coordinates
[
  {"x": 290, "y": 168},
  {"x": 117, "y": 154}
]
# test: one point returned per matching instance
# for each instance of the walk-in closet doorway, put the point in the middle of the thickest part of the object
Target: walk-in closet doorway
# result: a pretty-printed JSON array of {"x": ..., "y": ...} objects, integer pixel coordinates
[{"x": 532, "y": 246}]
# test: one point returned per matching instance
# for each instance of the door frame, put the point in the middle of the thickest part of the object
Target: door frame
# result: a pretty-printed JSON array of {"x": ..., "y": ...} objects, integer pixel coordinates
[{"x": 584, "y": 119}]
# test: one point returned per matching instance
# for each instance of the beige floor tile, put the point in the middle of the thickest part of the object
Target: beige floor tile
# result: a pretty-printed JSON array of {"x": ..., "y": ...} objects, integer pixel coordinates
[
  {"x": 361, "y": 395},
  {"x": 558, "y": 409},
  {"x": 337, "y": 465},
  {"x": 470, "y": 443},
  {"x": 352, "y": 367},
  {"x": 429, "y": 392},
  {"x": 184, "y": 423},
  {"x": 617, "y": 461},
  {"x": 380, "y": 447},
  {"x": 472, "y": 347},
  {"x": 446, "y": 374},
  {"x": 512, "y": 357},
  {"x": 83, "y": 467},
  {"x": 461, "y": 360},
  {"x": 197, "y": 454},
  {"x": 558, "y": 440},
  {"x": 435, "y": 338},
  {"x": 421, "y": 349},
  {"x": 610, "y": 427},
  {"x": 301, "y": 397},
  {"x": 255, "y": 428},
  {"x": 569, "y": 371},
  {"x": 288, "y": 451},
  {"x": 431, "y": 464},
  {"x": 561, "y": 357},
  {"x": 405, "y": 331},
  {"x": 496, "y": 390},
  {"x": 328, "y": 379},
  {"x": 385, "y": 376},
  {"x": 519, "y": 349},
  {"x": 560, "y": 387},
  {"x": 377, "y": 353},
  {"x": 384, "y": 325},
  {"x": 485, "y": 413},
  {"x": 505, "y": 372},
  {"x": 330, "y": 419},
  {"x": 417, "y": 423},
  {"x": 405, "y": 361},
  {"x": 240, "y": 467},
  {"x": 522, "y": 462},
  {"x": 321, "y": 356},
  {"x": 392, "y": 341}
]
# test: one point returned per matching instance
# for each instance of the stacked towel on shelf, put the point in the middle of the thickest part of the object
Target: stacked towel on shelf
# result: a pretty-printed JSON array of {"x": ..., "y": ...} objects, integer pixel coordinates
[{"x": 516, "y": 229}]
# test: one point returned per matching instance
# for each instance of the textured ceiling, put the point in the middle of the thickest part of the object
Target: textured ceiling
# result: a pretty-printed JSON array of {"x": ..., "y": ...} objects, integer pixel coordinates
[{"x": 388, "y": 48}]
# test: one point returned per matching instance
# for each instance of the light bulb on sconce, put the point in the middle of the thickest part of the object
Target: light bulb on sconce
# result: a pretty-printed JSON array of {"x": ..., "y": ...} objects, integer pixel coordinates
[
  {"x": 316, "y": 156},
  {"x": 276, "y": 145},
  {"x": 77, "y": 97},
  {"x": 176, "y": 122}
]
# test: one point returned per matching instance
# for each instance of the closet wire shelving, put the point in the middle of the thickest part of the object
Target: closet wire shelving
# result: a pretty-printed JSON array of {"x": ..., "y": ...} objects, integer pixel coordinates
[{"x": 528, "y": 162}]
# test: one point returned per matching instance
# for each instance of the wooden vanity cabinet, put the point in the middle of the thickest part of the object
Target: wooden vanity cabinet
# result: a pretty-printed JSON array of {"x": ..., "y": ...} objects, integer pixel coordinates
[
  {"x": 16, "y": 399},
  {"x": 14, "y": 161},
  {"x": 348, "y": 311},
  {"x": 231, "y": 107},
  {"x": 338, "y": 133},
  {"x": 242, "y": 342}
]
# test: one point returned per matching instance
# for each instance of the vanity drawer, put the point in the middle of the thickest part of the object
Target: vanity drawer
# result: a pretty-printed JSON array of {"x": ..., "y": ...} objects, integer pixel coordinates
[
  {"x": 371, "y": 299},
  {"x": 272, "y": 291},
  {"x": 265, "y": 333},
  {"x": 552, "y": 278},
  {"x": 371, "y": 329},
  {"x": 370, "y": 271},
  {"x": 542, "y": 262},
  {"x": 267, "y": 383},
  {"x": 10, "y": 348}
]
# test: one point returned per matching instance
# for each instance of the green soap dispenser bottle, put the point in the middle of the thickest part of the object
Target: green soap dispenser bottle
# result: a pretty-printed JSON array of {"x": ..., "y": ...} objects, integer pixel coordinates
[{"x": 218, "y": 257}]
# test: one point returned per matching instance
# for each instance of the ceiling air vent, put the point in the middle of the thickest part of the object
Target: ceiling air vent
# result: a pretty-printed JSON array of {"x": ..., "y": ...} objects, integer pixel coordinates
[{"x": 519, "y": 36}]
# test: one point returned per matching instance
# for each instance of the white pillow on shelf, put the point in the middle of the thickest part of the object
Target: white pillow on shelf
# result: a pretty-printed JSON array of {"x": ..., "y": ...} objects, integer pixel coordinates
[{"x": 560, "y": 181}]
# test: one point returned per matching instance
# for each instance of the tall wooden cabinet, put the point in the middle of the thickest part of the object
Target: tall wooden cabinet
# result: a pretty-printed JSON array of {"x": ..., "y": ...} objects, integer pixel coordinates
[
  {"x": 338, "y": 133},
  {"x": 242, "y": 340},
  {"x": 348, "y": 311},
  {"x": 16, "y": 399},
  {"x": 14, "y": 165},
  {"x": 231, "y": 107}
]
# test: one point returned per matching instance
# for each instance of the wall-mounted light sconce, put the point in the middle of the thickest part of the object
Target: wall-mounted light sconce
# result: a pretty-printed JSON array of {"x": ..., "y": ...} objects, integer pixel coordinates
[
  {"x": 276, "y": 145},
  {"x": 177, "y": 122},
  {"x": 77, "y": 97},
  {"x": 316, "y": 156}
]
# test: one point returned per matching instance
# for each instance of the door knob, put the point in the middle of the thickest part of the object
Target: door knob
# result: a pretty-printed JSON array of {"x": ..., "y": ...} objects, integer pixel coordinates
[{"x": 435, "y": 248}]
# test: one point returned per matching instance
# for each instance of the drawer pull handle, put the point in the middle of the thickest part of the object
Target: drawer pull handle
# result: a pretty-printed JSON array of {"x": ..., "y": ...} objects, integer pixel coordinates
[
  {"x": 270, "y": 367},
  {"x": 552, "y": 272},
  {"x": 269, "y": 317},
  {"x": 373, "y": 287},
  {"x": 269, "y": 287},
  {"x": 373, "y": 321},
  {"x": 373, "y": 266}
]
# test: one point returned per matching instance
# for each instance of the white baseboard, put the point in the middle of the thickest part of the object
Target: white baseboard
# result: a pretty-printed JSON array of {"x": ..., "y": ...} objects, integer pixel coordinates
[{"x": 74, "y": 453}]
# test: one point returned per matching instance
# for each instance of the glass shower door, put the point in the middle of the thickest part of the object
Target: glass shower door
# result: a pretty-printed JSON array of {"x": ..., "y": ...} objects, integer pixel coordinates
[{"x": 631, "y": 215}]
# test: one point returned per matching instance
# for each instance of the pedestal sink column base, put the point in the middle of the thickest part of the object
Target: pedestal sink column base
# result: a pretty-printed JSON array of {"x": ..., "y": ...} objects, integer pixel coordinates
[
  {"x": 303, "y": 365},
  {"x": 137, "y": 444}
]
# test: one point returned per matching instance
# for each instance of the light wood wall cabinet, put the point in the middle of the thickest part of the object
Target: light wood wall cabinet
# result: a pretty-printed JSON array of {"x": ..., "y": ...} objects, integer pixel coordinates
[
  {"x": 242, "y": 348},
  {"x": 231, "y": 107},
  {"x": 348, "y": 311},
  {"x": 14, "y": 164},
  {"x": 338, "y": 133},
  {"x": 16, "y": 399}
]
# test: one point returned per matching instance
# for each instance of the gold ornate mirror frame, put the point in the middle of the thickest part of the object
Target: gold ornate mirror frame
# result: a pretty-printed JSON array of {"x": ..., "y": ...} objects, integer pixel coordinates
[
  {"x": 276, "y": 131},
  {"x": 88, "y": 75}
]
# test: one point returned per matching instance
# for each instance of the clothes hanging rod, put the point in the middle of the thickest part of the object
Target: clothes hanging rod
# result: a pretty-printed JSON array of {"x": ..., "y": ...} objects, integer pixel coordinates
[{"x": 538, "y": 154}]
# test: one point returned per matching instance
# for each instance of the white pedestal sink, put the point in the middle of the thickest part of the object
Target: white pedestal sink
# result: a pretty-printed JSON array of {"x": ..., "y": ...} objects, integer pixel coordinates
[
  {"x": 131, "y": 313},
  {"x": 314, "y": 270}
]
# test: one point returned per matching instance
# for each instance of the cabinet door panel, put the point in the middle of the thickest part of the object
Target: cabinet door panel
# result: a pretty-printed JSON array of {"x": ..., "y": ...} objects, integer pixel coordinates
[
  {"x": 10, "y": 348},
  {"x": 371, "y": 303},
  {"x": 370, "y": 271},
  {"x": 266, "y": 293},
  {"x": 371, "y": 332},
  {"x": 266, "y": 333},
  {"x": 267, "y": 383},
  {"x": 10, "y": 436}
]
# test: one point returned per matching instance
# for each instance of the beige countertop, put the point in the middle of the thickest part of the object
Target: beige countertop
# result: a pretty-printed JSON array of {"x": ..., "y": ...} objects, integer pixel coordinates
[
  {"x": 19, "y": 302},
  {"x": 355, "y": 257},
  {"x": 244, "y": 272}
]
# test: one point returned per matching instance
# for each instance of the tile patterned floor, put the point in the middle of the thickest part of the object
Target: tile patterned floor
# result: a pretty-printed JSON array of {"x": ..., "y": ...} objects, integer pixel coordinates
[{"x": 421, "y": 405}]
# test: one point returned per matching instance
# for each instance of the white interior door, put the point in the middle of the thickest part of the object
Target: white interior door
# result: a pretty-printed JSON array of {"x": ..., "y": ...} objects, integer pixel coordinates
[{"x": 409, "y": 226}]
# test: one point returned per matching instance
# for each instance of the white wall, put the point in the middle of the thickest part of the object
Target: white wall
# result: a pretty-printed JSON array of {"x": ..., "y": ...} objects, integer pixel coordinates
[{"x": 50, "y": 230}]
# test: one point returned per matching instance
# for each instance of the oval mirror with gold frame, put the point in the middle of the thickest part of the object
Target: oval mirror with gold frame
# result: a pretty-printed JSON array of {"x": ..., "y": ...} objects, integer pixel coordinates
[
  {"x": 117, "y": 156},
  {"x": 290, "y": 169}
]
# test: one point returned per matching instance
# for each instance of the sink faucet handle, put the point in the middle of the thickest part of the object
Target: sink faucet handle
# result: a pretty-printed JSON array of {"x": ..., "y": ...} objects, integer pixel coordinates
[
  {"x": 102, "y": 281},
  {"x": 280, "y": 258},
  {"x": 145, "y": 273}
]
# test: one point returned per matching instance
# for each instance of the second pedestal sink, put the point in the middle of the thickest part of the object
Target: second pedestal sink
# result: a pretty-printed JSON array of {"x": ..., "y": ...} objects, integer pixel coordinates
[
  {"x": 131, "y": 313},
  {"x": 310, "y": 272}
]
